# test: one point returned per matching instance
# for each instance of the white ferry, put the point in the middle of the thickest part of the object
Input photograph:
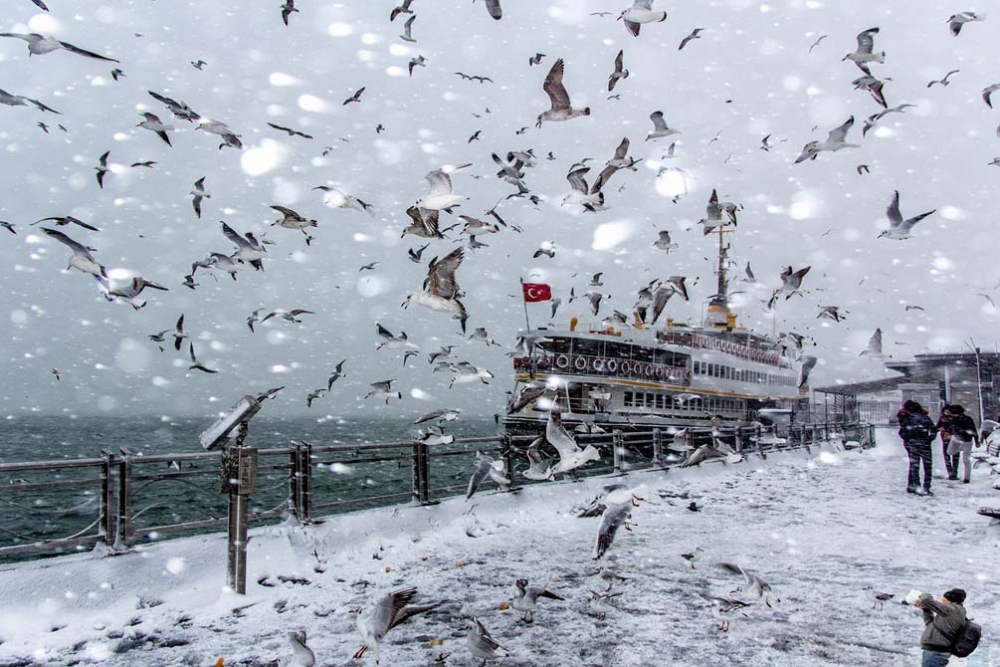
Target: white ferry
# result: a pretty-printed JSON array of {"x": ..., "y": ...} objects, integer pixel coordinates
[{"x": 674, "y": 375}]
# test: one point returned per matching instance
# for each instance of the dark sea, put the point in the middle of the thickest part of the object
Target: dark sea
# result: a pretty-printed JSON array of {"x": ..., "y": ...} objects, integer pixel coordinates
[{"x": 31, "y": 515}]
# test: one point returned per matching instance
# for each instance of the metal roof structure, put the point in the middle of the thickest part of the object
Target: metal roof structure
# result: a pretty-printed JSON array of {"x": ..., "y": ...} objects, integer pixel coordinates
[{"x": 876, "y": 386}]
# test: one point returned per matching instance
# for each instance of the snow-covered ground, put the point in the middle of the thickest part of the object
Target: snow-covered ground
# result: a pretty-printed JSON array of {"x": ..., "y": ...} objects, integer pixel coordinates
[{"x": 818, "y": 527}]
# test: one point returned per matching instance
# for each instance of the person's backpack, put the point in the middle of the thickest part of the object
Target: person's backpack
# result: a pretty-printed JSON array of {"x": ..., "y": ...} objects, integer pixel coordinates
[{"x": 967, "y": 639}]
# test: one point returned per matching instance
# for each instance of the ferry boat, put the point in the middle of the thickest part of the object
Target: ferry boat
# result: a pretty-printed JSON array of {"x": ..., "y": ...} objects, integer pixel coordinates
[{"x": 639, "y": 377}]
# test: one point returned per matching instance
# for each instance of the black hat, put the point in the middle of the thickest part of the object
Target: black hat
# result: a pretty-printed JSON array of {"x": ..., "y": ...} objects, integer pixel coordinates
[{"x": 955, "y": 595}]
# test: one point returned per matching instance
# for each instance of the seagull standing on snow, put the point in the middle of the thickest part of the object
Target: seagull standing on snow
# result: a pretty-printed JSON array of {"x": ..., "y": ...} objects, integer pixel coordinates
[
  {"x": 641, "y": 12},
  {"x": 302, "y": 655},
  {"x": 441, "y": 291},
  {"x": 482, "y": 645},
  {"x": 836, "y": 141},
  {"x": 900, "y": 229},
  {"x": 562, "y": 108},
  {"x": 388, "y": 612},
  {"x": 527, "y": 598}
]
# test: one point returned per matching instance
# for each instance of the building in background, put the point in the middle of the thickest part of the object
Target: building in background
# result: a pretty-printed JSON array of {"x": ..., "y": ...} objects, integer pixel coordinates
[{"x": 934, "y": 380}]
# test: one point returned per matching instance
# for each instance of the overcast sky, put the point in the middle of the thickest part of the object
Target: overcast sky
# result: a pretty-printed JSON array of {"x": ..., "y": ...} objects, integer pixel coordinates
[{"x": 750, "y": 74}]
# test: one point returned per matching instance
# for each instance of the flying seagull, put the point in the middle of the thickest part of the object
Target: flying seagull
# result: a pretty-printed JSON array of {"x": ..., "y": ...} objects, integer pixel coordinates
[
  {"x": 197, "y": 365},
  {"x": 198, "y": 194},
  {"x": 874, "y": 348},
  {"x": 441, "y": 291},
  {"x": 536, "y": 59},
  {"x": 356, "y": 97},
  {"x": 292, "y": 220},
  {"x": 493, "y": 7},
  {"x": 401, "y": 9},
  {"x": 487, "y": 467},
  {"x": 660, "y": 128},
  {"x": 102, "y": 168},
  {"x": 988, "y": 92},
  {"x": 179, "y": 109},
  {"x": 290, "y": 132},
  {"x": 336, "y": 198},
  {"x": 641, "y": 12},
  {"x": 65, "y": 220},
  {"x": 875, "y": 118},
  {"x": 81, "y": 259},
  {"x": 571, "y": 456},
  {"x": 41, "y": 5},
  {"x": 388, "y": 612},
  {"x": 41, "y": 44},
  {"x": 619, "y": 73},
  {"x": 561, "y": 109},
  {"x": 287, "y": 9},
  {"x": 836, "y": 141},
  {"x": 694, "y": 35},
  {"x": 944, "y": 81},
  {"x": 153, "y": 123},
  {"x": 614, "y": 517},
  {"x": 956, "y": 21},
  {"x": 424, "y": 223},
  {"x": 289, "y": 316},
  {"x": 442, "y": 195},
  {"x": 229, "y": 138},
  {"x": 130, "y": 292},
  {"x": 338, "y": 372},
  {"x": 21, "y": 101},
  {"x": 248, "y": 249},
  {"x": 407, "y": 35},
  {"x": 899, "y": 229},
  {"x": 8, "y": 226},
  {"x": 864, "y": 54},
  {"x": 481, "y": 643}
]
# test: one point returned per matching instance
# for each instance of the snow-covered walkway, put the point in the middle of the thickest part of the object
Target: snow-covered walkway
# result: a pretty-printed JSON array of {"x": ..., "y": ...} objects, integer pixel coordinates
[{"x": 817, "y": 526}]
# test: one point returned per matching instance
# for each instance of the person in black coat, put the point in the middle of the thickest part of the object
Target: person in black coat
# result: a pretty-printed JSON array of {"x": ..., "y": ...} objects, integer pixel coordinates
[
  {"x": 917, "y": 432},
  {"x": 964, "y": 435},
  {"x": 946, "y": 429}
]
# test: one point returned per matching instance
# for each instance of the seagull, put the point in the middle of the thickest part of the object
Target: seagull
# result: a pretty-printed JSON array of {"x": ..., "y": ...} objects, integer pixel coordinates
[
  {"x": 619, "y": 161},
  {"x": 693, "y": 557},
  {"x": 102, "y": 168},
  {"x": 253, "y": 318},
  {"x": 198, "y": 194},
  {"x": 660, "y": 128},
  {"x": 988, "y": 92},
  {"x": 875, "y": 118},
  {"x": 641, "y": 12},
  {"x": 198, "y": 64},
  {"x": 41, "y": 5},
  {"x": 289, "y": 131},
  {"x": 416, "y": 256},
  {"x": 443, "y": 415},
  {"x": 338, "y": 372},
  {"x": 219, "y": 262},
  {"x": 8, "y": 226},
  {"x": 248, "y": 249},
  {"x": 817, "y": 43},
  {"x": 356, "y": 97},
  {"x": 130, "y": 293},
  {"x": 595, "y": 301},
  {"x": 302, "y": 655},
  {"x": 81, "y": 259},
  {"x": 336, "y": 198},
  {"x": 717, "y": 450},
  {"x": 536, "y": 59},
  {"x": 724, "y": 608},
  {"x": 791, "y": 281},
  {"x": 539, "y": 469},
  {"x": 313, "y": 395},
  {"x": 753, "y": 584},
  {"x": 595, "y": 280},
  {"x": 749, "y": 274},
  {"x": 179, "y": 334},
  {"x": 830, "y": 313},
  {"x": 229, "y": 138},
  {"x": 21, "y": 101},
  {"x": 466, "y": 373},
  {"x": 944, "y": 81},
  {"x": 441, "y": 195},
  {"x": 153, "y": 123},
  {"x": 614, "y": 517},
  {"x": 874, "y": 345},
  {"x": 292, "y": 220},
  {"x": 661, "y": 296},
  {"x": 571, "y": 456},
  {"x": 289, "y": 316},
  {"x": 419, "y": 61},
  {"x": 611, "y": 494},
  {"x": 389, "y": 611},
  {"x": 480, "y": 79},
  {"x": 407, "y": 35},
  {"x": 863, "y": 56},
  {"x": 39, "y": 45},
  {"x": 196, "y": 365},
  {"x": 764, "y": 146},
  {"x": 482, "y": 645},
  {"x": 383, "y": 390},
  {"x": 443, "y": 353},
  {"x": 900, "y": 229},
  {"x": 878, "y": 598},
  {"x": 487, "y": 467},
  {"x": 433, "y": 435},
  {"x": 836, "y": 141},
  {"x": 441, "y": 291},
  {"x": 694, "y": 35},
  {"x": 873, "y": 86},
  {"x": 590, "y": 199},
  {"x": 179, "y": 109},
  {"x": 528, "y": 394},
  {"x": 493, "y": 7},
  {"x": 391, "y": 341},
  {"x": 527, "y": 597},
  {"x": 62, "y": 221},
  {"x": 401, "y": 9},
  {"x": 159, "y": 337},
  {"x": 147, "y": 163},
  {"x": 369, "y": 267},
  {"x": 598, "y": 605},
  {"x": 619, "y": 73},
  {"x": 920, "y": 308},
  {"x": 547, "y": 252},
  {"x": 562, "y": 108},
  {"x": 956, "y": 21},
  {"x": 808, "y": 363},
  {"x": 55, "y": 372},
  {"x": 287, "y": 9}
]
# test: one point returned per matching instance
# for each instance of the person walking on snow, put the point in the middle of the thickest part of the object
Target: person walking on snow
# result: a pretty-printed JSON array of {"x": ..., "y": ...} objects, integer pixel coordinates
[
  {"x": 917, "y": 432},
  {"x": 945, "y": 428},
  {"x": 964, "y": 434}
]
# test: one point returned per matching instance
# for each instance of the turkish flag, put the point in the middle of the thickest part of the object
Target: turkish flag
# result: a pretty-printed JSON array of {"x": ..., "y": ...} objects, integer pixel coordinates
[{"x": 535, "y": 292}]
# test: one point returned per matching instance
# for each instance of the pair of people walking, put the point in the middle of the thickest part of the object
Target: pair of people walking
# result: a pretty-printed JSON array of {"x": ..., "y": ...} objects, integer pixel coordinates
[
  {"x": 917, "y": 430},
  {"x": 958, "y": 435}
]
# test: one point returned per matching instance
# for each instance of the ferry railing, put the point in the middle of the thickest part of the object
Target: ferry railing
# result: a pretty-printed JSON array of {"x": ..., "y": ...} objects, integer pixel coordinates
[
  {"x": 126, "y": 499},
  {"x": 585, "y": 364}
]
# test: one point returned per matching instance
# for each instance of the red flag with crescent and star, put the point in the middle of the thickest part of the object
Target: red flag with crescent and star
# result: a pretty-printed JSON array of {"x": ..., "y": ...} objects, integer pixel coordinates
[{"x": 535, "y": 292}]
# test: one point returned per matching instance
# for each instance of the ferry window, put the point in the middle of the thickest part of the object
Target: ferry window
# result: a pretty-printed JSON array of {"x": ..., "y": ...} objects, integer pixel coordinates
[
  {"x": 643, "y": 354},
  {"x": 729, "y": 372},
  {"x": 667, "y": 402},
  {"x": 628, "y": 399},
  {"x": 555, "y": 346},
  {"x": 659, "y": 401},
  {"x": 593, "y": 348},
  {"x": 696, "y": 367},
  {"x": 650, "y": 399}
]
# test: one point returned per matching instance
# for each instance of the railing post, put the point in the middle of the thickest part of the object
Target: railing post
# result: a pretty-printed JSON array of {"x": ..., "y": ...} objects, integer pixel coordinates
[
  {"x": 123, "y": 534},
  {"x": 305, "y": 469},
  {"x": 617, "y": 445},
  {"x": 417, "y": 471},
  {"x": 657, "y": 447},
  {"x": 295, "y": 482},
  {"x": 425, "y": 474},
  {"x": 106, "y": 527},
  {"x": 507, "y": 451}
]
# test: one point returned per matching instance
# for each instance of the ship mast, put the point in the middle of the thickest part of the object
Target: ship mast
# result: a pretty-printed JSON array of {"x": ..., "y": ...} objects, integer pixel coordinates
[{"x": 719, "y": 315}]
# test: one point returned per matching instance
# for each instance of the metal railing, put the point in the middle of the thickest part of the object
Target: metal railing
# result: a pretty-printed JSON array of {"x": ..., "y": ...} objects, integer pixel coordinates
[
  {"x": 121, "y": 499},
  {"x": 585, "y": 364}
]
